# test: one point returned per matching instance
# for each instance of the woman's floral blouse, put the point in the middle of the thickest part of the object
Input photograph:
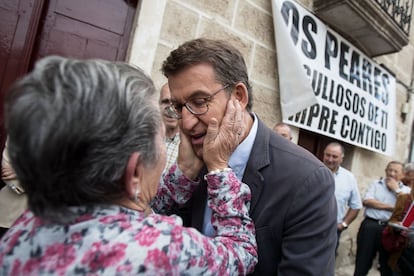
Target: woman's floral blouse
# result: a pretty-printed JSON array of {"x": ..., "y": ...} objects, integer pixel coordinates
[{"x": 113, "y": 240}]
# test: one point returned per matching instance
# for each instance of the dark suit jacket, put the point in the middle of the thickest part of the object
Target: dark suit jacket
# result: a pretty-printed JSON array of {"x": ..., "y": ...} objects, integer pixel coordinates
[{"x": 293, "y": 207}]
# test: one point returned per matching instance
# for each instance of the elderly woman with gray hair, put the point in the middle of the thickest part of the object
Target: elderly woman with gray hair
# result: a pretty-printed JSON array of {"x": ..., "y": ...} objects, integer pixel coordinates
[{"x": 86, "y": 142}]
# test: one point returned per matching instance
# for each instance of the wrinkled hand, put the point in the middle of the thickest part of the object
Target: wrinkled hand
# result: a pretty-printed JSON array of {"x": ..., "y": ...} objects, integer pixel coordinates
[
  {"x": 221, "y": 141},
  {"x": 187, "y": 161}
]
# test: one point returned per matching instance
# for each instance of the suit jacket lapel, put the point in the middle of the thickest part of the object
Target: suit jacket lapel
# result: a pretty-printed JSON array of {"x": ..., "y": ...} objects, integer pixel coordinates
[{"x": 259, "y": 158}]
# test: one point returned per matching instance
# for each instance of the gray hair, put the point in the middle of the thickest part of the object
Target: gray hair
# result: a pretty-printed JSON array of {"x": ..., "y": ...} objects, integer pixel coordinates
[
  {"x": 409, "y": 167},
  {"x": 336, "y": 144},
  {"x": 72, "y": 126}
]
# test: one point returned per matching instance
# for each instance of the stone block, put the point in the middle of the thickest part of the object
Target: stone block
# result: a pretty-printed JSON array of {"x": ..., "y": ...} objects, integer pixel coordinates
[
  {"x": 255, "y": 23},
  {"x": 180, "y": 23},
  {"x": 217, "y": 8},
  {"x": 264, "y": 68},
  {"x": 214, "y": 30},
  {"x": 162, "y": 53},
  {"x": 266, "y": 104}
]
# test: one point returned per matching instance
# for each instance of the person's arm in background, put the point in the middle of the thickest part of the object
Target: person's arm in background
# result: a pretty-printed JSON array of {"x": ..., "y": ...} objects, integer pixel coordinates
[
  {"x": 355, "y": 204},
  {"x": 350, "y": 216},
  {"x": 376, "y": 204}
]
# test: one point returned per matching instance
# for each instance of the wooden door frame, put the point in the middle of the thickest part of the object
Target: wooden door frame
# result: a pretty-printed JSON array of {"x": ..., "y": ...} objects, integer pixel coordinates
[
  {"x": 31, "y": 34},
  {"x": 28, "y": 31}
]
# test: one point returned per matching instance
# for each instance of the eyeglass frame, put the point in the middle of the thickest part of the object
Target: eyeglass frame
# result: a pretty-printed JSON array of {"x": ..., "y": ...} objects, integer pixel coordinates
[{"x": 172, "y": 110}]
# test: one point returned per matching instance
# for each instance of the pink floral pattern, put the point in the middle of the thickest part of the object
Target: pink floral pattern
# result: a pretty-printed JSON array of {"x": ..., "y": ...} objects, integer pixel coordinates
[{"x": 113, "y": 240}]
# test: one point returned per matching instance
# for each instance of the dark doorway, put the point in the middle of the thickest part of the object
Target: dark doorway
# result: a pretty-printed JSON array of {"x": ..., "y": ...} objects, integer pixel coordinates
[
  {"x": 316, "y": 143},
  {"x": 313, "y": 142}
]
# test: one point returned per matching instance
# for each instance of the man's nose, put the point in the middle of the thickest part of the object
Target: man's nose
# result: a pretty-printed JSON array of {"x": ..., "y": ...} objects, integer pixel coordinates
[
  {"x": 391, "y": 174},
  {"x": 188, "y": 120}
]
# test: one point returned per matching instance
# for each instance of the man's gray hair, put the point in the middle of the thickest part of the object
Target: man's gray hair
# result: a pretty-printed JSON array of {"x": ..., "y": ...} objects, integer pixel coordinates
[
  {"x": 72, "y": 126},
  {"x": 409, "y": 167}
]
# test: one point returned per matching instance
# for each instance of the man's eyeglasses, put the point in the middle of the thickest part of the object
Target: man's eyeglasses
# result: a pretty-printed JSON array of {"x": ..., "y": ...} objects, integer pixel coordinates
[{"x": 197, "y": 106}]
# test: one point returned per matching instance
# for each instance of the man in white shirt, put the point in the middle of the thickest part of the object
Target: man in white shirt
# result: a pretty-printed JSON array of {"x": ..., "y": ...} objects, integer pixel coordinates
[{"x": 347, "y": 194}]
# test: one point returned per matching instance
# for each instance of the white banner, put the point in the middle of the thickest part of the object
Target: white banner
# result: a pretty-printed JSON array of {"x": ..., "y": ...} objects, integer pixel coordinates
[{"x": 330, "y": 87}]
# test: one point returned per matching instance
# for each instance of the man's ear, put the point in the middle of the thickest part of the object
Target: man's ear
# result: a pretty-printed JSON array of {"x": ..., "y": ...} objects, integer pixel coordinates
[
  {"x": 132, "y": 174},
  {"x": 241, "y": 94}
]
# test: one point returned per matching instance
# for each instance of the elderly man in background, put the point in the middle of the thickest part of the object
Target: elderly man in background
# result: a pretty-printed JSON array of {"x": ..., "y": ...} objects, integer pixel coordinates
[
  {"x": 409, "y": 175},
  {"x": 347, "y": 194},
  {"x": 172, "y": 129},
  {"x": 284, "y": 130},
  {"x": 379, "y": 202}
]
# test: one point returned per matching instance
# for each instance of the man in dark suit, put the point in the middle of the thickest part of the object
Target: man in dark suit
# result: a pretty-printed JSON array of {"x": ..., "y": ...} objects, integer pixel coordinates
[{"x": 293, "y": 204}]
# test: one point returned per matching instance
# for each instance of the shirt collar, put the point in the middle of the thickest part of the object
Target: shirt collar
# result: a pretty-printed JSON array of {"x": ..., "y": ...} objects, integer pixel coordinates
[
  {"x": 337, "y": 171},
  {"x": 238, "y": 160},
  {"x": 172, "y": 139}
]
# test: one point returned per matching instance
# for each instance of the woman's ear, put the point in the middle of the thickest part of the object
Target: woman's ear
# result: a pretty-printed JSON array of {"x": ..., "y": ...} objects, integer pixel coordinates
[
  {"x": 133, "y": 182},
  {"x": 131, "y": 175},
  {"x": 241, "y": 94}
]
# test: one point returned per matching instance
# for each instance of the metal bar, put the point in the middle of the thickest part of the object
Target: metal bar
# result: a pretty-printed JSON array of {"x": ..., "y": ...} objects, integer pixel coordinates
[{"x": 400, "y": 12}]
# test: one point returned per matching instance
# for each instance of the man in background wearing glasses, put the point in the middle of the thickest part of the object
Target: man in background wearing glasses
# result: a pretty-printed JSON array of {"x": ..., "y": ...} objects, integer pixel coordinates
[{"x": 293, "y": 204}]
